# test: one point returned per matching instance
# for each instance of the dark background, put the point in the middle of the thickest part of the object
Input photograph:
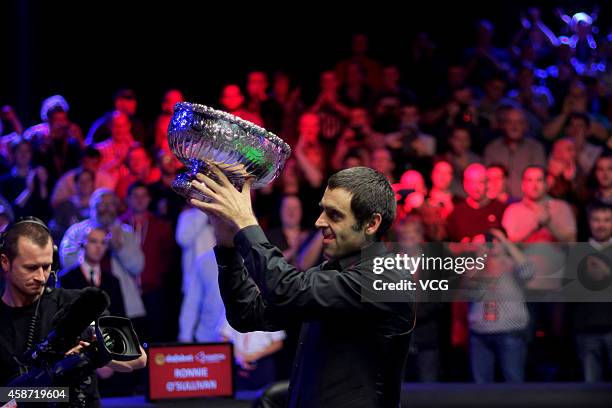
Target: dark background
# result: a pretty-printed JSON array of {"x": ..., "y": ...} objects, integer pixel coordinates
[{"x": 86, "y": 50}]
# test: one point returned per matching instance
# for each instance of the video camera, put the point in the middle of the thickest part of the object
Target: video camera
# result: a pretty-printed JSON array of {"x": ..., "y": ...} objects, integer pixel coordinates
[{"x": 112, "y": 338}]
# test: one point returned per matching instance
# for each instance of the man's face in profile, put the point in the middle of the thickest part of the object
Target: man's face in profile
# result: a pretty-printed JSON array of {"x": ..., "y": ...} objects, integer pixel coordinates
[{"x": 341, "y": 234}]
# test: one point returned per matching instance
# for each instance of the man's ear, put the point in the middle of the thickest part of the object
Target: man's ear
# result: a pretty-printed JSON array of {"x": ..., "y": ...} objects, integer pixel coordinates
[
  {"x": 4, "y": 263},
  {"x": 373, "y": 225}
]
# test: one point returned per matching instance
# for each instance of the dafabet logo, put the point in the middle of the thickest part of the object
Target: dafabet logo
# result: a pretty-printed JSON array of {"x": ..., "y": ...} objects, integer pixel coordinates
[{"x": 160, "y": 359}]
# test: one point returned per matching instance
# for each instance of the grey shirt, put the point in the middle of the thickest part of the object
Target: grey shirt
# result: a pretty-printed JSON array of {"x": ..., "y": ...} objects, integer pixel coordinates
[{"x": 528, "y": 153}]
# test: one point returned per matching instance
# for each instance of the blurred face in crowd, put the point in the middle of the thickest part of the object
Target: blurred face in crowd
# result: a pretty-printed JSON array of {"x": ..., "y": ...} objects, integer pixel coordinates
[
  {"x": 309, "y": 127},
  {"x": 171, "y": 98},
  {"x": 442, "y": 175},
  {"x": 409, "y": 232},
  {"x": 291, "y": 212},
  {"x": 600, "y": 224},
  {"x": 257, "y": 84},
  {"x": 494, "y": 89},
  {"x": 460, "y": 141},
  {"x": 359, "y": 118},
  {"x": 106, "y": 209},
  {"x": 352, "y": 161},
  {"x": 27, "y": 274},
  {"x": 168, "y": 163},
  {"x": 514, "y": 125},
  {"x": 603, "y": 172},
  {"x": 23, "y": 155},
  {"x": 127, "y": 106},
  {"x": 85, "y": 184},
  {"x": 360, "y": 44},
  {"x": 139, "y": 200},
  {"x": 534, "y": 184},
  {"x": 329, "y": 82},
  {"x": 412, "y": 179},
  {"x": 382, "y": 161},
  {"x": 564, "y": 150},
  {"x": 138, "y": 162},
  {"x": 231, "y": 98},
  {"x": 354, "y": 75},
  {"x": 409, "y": 116},
  {"x": 96, "y": 245},
  {"x": 456, "y": 75},
  {"x": 463, "y": 95},
  {"x": 496, "y": 182},
  {"x": 577, "y": 129},
  {"x": 390, "y": 77},
  {"x": 475, "y": 182},
  {"x": 577, "y": 95},
  {"x": 525, "y": 78},
  {"x": 58, "y": 120},
  {"x": 280, "y": 85},
  {"x": 91, "y": 163},
  {"x": 121, "y": 128},
  {"x": 341, "y": 232}
]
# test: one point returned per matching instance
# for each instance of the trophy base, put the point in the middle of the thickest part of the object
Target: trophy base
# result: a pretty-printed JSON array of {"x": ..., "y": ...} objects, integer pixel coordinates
[{"x": 182, "y": 184}]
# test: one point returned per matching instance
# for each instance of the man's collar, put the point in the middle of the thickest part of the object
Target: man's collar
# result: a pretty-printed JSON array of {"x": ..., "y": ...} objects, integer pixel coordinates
[
  {"x": 369, "y": 251},
  {"x": 600, "y": 245}
]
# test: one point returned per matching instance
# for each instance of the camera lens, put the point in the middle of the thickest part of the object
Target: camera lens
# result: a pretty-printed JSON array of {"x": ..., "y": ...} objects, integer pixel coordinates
[{"x": 115, "y": 340}]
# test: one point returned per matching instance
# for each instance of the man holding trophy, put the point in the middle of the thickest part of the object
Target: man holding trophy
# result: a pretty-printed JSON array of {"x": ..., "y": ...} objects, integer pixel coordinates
[{"x": 351, "y": 350}]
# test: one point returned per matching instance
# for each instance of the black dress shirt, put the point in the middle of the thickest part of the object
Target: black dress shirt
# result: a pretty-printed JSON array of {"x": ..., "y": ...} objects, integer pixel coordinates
[{"x": 352, "y": 350}]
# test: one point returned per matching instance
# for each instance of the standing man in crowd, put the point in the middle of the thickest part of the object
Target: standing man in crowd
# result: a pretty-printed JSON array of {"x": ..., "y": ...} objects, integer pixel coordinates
[
  {"x": 515, "y": 150},
  {"x": 126, "y": 257},
  {"x": 352, "y": 350}
]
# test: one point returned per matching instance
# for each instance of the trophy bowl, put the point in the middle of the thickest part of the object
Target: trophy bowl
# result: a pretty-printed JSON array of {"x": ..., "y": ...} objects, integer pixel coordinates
[{"x": 201, "y": 137}]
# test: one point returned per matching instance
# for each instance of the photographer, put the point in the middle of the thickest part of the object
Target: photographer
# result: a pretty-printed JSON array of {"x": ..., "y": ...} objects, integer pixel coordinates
[{"x": 26, "y": 256}]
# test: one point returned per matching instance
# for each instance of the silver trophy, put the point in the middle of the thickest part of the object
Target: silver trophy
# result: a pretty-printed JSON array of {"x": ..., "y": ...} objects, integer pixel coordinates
[{"x": 200, "y": 136}]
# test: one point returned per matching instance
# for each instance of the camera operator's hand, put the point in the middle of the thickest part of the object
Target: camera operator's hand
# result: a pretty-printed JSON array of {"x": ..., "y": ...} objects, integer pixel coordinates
[
  {"x": 78, "y": 348},
  {"x": 105, "y": 372},
  {"x": 247, "y": 361}
]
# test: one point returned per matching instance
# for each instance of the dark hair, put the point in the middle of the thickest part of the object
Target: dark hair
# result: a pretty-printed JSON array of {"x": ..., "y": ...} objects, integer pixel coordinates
[
  {"x": 606, "y": 154},
  {"x": 135, "y": 147},
  {"x": 534, "y": 166},
  {"x": 135, "y": 185},
  {"x": 371, "y": 194},
  {"x": 91, "y": 152},
  {"x": 36, "y": 233},
  {"x": 579, "y": 116},
  {"x": 597, "y": 206},
  {"x": 55, "y": 109},
  {"x": 462, "y": 126},
  {"x": 125, "y": 93},
  {"x": 500, "y": 166}
]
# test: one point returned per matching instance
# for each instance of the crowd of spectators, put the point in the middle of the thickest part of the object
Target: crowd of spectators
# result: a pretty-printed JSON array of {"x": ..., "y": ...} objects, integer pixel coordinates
[{"x": 509, "y": 143}]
